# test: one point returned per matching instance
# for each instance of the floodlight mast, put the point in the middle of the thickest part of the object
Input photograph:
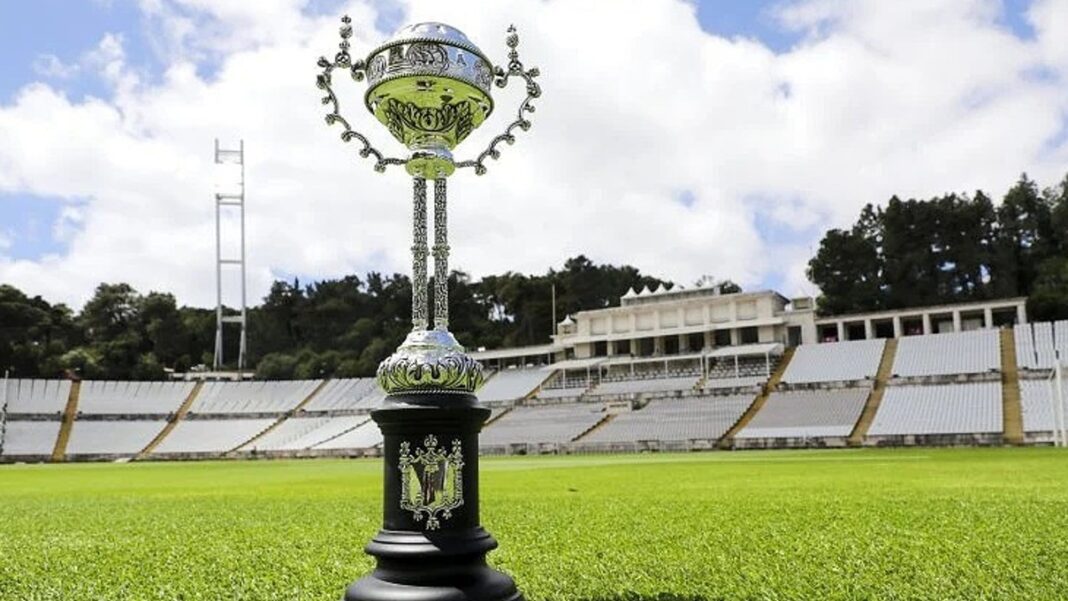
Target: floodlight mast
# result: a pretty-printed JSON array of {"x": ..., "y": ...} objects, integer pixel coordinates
[
  {"x": 430, "y": 86},
  {"x": 231, "y": 198}
]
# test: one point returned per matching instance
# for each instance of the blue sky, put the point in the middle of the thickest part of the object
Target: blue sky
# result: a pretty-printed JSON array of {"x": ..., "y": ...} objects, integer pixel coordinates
[{"x": 48, "y": 41}]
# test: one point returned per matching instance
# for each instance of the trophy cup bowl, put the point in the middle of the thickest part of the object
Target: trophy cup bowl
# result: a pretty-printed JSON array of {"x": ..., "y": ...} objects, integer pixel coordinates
[{"x": 430, "y": 86}]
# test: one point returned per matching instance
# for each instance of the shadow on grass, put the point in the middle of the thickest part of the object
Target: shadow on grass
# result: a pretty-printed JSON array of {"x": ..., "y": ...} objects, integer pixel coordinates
[{"x": 654, "y": 597}]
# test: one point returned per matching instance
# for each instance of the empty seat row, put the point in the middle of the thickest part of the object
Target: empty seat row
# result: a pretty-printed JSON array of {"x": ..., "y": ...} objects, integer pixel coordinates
[
  {"x": 121, "y": 398},
  {"x": 545, "y": 424},
  {"x": 300, "y": 433},
  {"x": 34, "y": 396},
  {"x": 834, "y": 362},
  {"x": 346, "y": 394},
  {"x": 252, "y": 397},
  {"x": 125, "y": 437},
  {"x": 512, "y": 384},
  {"x": 966, "y": 408},
  {"x": 706, "y": 418},
  {"x": 808, "y": 414},
  {"x": 645, "y": 385},
  {"x": 971, "y": 352},
  {"x": 1037, "y": 398}
]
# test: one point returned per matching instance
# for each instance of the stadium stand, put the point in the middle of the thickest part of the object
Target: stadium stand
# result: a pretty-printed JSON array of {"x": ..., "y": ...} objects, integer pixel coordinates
[
  {"x": 956, "y": 353},
  {"x": 807, "y": 414},
  {"x": 123, "y": 437},
  {"x": 835, "y": 362},
  {"x": 704, "y": 418},
  {"x": 37, "y": 396},
  {"x": 1036, "y": 397},
  {"x": 214, "y": 436},
  {"x": 364, "y": 436},
  {"x": 511, "y": 384},
  {"x": 347, "y": 394},
  {"x": 300, "y": 433},
  {"x": 36, "y": 438},
  {"x": 252, "y": 397},
  {"x": 542, "y": 424},
  {"x": 972, "y": 408},
  {"x": 1037, "y": 344},
  {"x": 119, "y": 398},
  {"x": 739, "y": 382},
  {"x": 632, "y": 387},
  {"x": 561, "y": 393}
]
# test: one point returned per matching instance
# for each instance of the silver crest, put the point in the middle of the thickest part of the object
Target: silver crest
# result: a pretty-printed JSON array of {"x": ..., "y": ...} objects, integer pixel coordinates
[{"x": 432, "y": 481}]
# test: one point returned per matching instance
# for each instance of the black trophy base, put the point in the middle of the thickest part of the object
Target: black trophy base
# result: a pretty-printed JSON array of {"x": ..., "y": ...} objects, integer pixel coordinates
[
  {"x": 413, "y": 566},
  {"x": 419, "y": 559}
]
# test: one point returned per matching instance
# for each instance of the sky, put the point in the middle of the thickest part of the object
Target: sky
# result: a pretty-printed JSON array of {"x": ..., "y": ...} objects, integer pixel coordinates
[{"x": 686, "y": 138}]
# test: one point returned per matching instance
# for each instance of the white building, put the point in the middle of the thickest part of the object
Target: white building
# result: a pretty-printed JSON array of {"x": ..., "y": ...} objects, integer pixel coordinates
[{"x": 682, "y": 328}]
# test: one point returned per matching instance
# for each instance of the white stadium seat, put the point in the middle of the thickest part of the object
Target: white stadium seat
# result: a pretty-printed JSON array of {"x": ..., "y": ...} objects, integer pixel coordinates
[
  {"x": 30, "y": 438},
  {"x": 705, "y": 418},
  {"x": 808, "y": 414},
  {"x": 835, "y": 362},
  {"x": 362, "y": 437},
  {"x": 548, "y": 423},
  {"x": 511, "y": 384},
  {"x": 211, "y": 435},
  {"x": 112, "y": 437},
  {"x": 252, "y": 397},
  {"x": 347, "y": 393},
  {"x": 300, "y": 433},
  {"x": 1037, "y": 405},
  {"x": 120, "y": 398},
  {"x": 971, "y": 352},
  {"x": 968, "y": 408},
  {"x": 37, "y": 396}
]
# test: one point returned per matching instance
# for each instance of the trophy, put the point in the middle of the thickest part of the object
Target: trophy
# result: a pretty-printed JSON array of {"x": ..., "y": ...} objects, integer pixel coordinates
[{"x": 430, "y": 86}]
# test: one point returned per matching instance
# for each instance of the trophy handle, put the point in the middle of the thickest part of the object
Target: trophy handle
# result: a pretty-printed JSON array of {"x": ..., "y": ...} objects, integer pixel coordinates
[
  {"x": 342, "y": 60},
  {"x": 515, "y": 69}
]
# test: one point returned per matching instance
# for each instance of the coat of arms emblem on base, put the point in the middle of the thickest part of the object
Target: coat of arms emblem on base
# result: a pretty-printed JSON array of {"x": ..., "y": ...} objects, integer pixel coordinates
[{"x": 431, "y": 481}]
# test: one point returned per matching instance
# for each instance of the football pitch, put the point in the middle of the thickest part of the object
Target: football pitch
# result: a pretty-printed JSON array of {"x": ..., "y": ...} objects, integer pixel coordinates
[{"x": 851, "y": 524}]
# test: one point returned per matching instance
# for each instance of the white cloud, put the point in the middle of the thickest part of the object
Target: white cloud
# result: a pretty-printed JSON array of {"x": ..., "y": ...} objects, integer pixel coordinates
[{"x": 640, "y": 107}]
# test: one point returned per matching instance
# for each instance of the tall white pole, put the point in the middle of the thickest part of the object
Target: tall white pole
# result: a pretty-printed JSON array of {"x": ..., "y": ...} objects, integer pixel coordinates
[{"x": 1057, "y": 401}]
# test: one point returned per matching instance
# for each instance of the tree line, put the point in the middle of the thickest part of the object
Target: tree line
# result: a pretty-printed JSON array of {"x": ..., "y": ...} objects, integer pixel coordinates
[
  {"x": 330, "y": 328},
  {"x": 948, "y": 249}
]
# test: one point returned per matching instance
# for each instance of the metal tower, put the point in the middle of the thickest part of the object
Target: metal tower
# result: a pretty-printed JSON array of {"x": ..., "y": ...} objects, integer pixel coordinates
[{"x": 234, "y": 197}]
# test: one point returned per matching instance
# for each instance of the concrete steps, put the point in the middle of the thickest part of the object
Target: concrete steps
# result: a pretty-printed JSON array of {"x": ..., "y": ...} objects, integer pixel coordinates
[
  {"x": 604, "y": 420},
  {"x": 1011, "y": 410},
  {"x": 279, "y": 421},
  {"x": 727, "y": 441},
  {"x": 59, "y": 451},
  {"x": 171, "y": 423},
  {"x": 875, "y": 398}
]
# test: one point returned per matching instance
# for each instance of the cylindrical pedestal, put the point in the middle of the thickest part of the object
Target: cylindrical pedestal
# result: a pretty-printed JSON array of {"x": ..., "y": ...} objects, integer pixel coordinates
[{"x": 432, "y": 546}]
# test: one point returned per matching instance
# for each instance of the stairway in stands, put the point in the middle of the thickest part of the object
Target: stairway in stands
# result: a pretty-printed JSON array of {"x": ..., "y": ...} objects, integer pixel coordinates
[
  {"x": 875, "y": 398},
  {"x": 494, "y": 418},
  {"x": 69, "y": 413},
  {"x": 727, "y": 440},
  {"x": 601, "y": 422},
  {"x": 278, "y": 422},
  {"x": 1011, "y": 410},
  {"x": 172, "y": 422}
]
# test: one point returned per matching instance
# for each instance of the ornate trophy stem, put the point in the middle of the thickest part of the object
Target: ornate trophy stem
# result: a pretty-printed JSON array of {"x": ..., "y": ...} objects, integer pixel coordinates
[
  {"x": 441, "y": 258},
  {"x": 419, "y": 254}
]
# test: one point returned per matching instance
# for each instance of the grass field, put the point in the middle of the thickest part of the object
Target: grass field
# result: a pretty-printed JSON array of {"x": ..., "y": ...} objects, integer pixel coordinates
[{"x": 863, "y": 524}]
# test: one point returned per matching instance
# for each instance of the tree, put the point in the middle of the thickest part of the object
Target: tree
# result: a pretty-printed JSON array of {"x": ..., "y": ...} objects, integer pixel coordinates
[
  {"x": 1025, "y": 237},
  {"x": 1049, "y": 294},
  {"x": 846, "y": 268}
]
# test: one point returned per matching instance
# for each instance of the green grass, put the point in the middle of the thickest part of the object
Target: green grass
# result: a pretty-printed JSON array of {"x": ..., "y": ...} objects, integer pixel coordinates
[{"x": 864, "y": 524}]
